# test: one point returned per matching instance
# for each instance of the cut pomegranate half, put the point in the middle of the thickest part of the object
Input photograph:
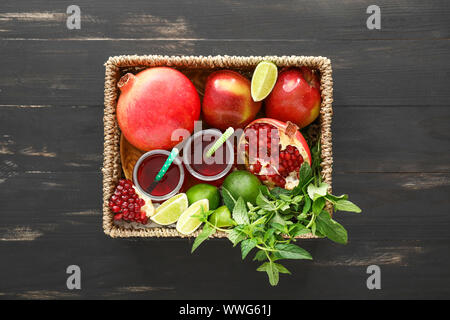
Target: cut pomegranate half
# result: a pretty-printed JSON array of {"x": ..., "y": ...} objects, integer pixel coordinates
[{"x": 274, "y": 151}]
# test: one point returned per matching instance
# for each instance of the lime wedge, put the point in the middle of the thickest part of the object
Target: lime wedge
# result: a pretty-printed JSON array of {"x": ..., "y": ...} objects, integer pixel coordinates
[
  {"x": 170, "y": 210},
  {"x": 263, "y": 80},
  {"x": 187, "y": 223}
]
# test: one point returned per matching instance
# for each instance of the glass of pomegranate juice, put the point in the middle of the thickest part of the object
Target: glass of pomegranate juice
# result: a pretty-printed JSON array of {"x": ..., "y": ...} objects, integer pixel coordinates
[
  {"x": 146, "y": 169},
  {"x": 202, "y": 167}
]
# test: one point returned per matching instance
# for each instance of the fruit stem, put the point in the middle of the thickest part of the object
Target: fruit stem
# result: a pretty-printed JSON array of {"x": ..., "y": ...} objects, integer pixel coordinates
[{"x": 126, "y": 81}]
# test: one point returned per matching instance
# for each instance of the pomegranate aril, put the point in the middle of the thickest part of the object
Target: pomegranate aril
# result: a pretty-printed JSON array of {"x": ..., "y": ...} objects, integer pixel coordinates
[
  {"x": 118, "y": 216},
  {"x": 115, "y": 209}
]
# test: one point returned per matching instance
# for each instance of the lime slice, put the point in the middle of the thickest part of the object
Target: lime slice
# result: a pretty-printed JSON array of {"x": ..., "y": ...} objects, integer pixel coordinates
[
  {"x": 263, "y": 80},
  {"x": 187, "y": 223},
  {"x": 170, "y": 210}
]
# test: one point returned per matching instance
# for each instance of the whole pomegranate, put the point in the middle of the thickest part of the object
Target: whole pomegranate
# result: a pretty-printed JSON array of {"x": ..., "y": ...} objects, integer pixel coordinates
[
  {"x": 274, "y": 151},
  {"x": 295, "y": 97},
  {"x": 154, "y": 103}
]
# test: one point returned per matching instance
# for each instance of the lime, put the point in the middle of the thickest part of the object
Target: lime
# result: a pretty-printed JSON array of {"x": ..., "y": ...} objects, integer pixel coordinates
[
  {"x": 170, "y": 210},
  {"x": 187, "y": 223},
  {"x": 263, "y": 80},
  {"x": 242, "y": 184},
  {"x": 221, "y": 217},
  {"x": 204, "y": 191}
]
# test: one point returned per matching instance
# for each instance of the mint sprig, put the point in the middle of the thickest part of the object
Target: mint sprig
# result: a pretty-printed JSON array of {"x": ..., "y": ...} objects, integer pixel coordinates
[{"x": 279, "y": 216}]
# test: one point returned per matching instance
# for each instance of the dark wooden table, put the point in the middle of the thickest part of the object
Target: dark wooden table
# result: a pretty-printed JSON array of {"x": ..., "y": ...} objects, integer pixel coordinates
[{"x": 390, "y": 133}]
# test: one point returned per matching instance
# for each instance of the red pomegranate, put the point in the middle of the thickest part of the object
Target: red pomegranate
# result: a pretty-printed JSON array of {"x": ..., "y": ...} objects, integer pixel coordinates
[
  {"x": 154, "y": 103},
  {"x": 295, "y": 97},
  {"x": 274, "y": 151}
]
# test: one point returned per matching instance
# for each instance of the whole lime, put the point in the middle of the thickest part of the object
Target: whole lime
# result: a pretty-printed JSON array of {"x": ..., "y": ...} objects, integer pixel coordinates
[
  {"x": 204, "y": 191},
  {"x": 242, "y": 184},
  {"x": 221, "y": 217}
]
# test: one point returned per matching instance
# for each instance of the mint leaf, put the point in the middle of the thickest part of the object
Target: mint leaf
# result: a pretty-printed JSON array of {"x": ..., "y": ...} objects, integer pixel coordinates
[
  {"x": 318, "y": 205},
  {"x": 281, "y": 268},
  {"x": 291, "y": 251},
  {"x": 307, "y": 205},
  {"x": 316, "y": 192},
  {"x": 335, "y": 199},
  {"x": 240, "y": 214},
  {"x": 298, "y": 230},
  {"x": 207, "y": 231},
  {"x": 260, "y": 256},
  {"x": 305, "y": 174},
  {"x": 345, "y": 205},
  {"x": 272, "y": 272},
  {"x": 330, "y": 228},
  {"x": 246, "y": 246},
  {"x": 277, "y": 192},
  {"x": 228, "y": 199},
  {"x": 236, "y": 236},
  {"x": 264, "y": 203}
]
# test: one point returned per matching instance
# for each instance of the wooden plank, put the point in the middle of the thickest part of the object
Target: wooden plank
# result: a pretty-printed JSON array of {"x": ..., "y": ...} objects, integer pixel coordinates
[
  {"x": 164, "y": 269},
  {"x": 381, "y": 73},
  {"x": 365, "y": 139},
  {"x": 396, "y": 206},
  {"x": 290, "y": 20}
]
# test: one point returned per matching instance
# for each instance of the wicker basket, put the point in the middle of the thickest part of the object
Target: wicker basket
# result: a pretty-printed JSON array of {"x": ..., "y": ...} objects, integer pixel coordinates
[{"x": 119, "y": 65}]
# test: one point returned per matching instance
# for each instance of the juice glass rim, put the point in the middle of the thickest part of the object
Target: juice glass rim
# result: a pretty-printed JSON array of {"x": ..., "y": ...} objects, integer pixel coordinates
[
  {"x": 176, "y": 161},
  {"x": 186, "y": 152}
]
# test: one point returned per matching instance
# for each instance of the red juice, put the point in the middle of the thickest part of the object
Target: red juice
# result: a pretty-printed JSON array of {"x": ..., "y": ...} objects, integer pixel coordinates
[
  {"x": 208, "y": 166},
  {"x": 149, "y": 168}
]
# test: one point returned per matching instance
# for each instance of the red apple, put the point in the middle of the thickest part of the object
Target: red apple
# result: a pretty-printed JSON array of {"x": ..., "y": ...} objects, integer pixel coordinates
[
  {"x": 227, "y": 101},
  {"x": 295, "y": 97},
  {"x": 154, "y": 103}
]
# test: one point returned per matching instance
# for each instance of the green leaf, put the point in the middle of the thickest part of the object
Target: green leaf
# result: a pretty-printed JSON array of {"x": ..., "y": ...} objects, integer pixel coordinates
[
  {"x": 268, "y": 234},
  {"x": 278, "y": 192},
  {"x": 228, "y": 199},
  {"x": 305, "y": 174},
  {"x": 281, "y": 268},
  {"x": 285, "y": 197},
  {"x": 335, "y": 199},
  {"x": 264, "y": 203},
  {"x": 240, "y": 214},
  {"x": 277, "y": 227},
  {"x": 207, "y": 231},
  {"x": 330, "y": 228},
  {"x": 307, "y": 205},
  {"x": 298, "y": 229},
  {"x": 316, "y": 192},
  {"x": 236, "y": 236},
  {"x": 246, "y": 246},
  {"x": 291, "y": 251},
  {"x": 264, "y": 190},
  {"x": 272, "y": 272},
  {"x": 345, "y": 205},
  {"x": 318, "y": 205},
  {"x": 260, "y": 256},
  {"x": 277, "y": 219}
]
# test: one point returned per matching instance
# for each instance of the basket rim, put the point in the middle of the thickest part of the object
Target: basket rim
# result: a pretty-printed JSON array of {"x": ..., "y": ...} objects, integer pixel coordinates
[{"x": 111, "y": 169}]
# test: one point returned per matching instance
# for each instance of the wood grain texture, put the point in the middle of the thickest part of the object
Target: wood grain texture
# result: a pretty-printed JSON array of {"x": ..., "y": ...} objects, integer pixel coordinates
[
  {"x": 291, "y": 20},
  {"x": 391, "y": 147},
  {"x": 364, "y": 72}
]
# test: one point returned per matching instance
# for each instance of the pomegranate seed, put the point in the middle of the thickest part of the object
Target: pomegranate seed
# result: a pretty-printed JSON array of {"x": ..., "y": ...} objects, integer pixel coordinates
[
  {"x": 131, "y": 215},
  {"x": 118, "y": 216},
  {"x": 115, "y": 209},
  {"x": 131, "y": 200}
]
